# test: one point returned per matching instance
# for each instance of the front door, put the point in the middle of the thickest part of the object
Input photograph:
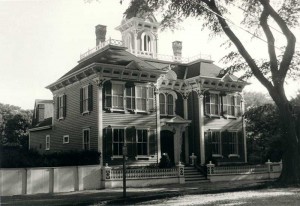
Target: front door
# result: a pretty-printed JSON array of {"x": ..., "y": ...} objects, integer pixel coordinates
[{"x": 167, "y": 143}]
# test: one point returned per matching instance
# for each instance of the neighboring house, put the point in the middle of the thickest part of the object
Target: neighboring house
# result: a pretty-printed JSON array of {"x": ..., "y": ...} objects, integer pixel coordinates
[{"x": 124, "y": 92}]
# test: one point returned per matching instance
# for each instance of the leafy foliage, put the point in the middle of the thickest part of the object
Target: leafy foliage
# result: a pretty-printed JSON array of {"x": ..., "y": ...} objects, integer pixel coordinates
[
  {"x": 256, "y": 99},
  {"x": 15, "y": 125},
  {"x": 264, "y": 135}
]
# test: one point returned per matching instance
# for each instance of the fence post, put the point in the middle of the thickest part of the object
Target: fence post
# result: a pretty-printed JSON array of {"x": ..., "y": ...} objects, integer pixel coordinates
[
  {"x": 210, "y": 169},
  {"x": 181, "y": 173},
  {"x": 280, "y": 163},
  {"x": 269, "y": 163}
]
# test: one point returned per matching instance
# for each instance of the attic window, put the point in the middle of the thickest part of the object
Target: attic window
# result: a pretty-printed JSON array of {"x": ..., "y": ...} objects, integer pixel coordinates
[
  {"x": 213, "y": 83},
  {"x": 106, "y": 71},
  {"x": 125, "y": 73},
  {"x": 135, "y": 74},
  {"x": 220, "y": 84},
  {"x": 144, "y": 75},
  {"x": 205, "y": 82},
  {"x": 152, "y": 76}
]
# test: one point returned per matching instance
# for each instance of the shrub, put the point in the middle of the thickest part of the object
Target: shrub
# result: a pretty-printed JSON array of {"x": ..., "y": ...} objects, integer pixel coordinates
[
  {"x": 165, "y": 161},
  {"x": 15, "y": 157}
]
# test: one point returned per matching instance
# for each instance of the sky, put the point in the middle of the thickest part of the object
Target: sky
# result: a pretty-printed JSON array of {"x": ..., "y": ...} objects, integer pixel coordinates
[{"x": 42, "y": 40}]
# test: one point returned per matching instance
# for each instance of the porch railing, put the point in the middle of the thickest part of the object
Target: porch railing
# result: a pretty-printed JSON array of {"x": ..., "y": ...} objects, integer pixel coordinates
[
  {"x": 268, "y": 167},
  {"x": 145, "y": 54},
  {"x": 143, "y": 173}
]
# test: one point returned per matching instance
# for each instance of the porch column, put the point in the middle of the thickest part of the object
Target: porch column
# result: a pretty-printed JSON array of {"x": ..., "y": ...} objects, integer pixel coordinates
[
  {"x": 178, "y": 143},
  {"x": 186, "y": 134},
  {"x": 100, "y": 120},
  {"x": 158, "y": 125},
  {"x": 244, "y": 128},
  {"x": 201, "y": 128}
]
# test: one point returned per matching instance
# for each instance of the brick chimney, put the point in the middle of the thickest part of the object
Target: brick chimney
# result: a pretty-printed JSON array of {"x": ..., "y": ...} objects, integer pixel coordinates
[
  {"x": 177, "y": 48},
  {"x": 100, "y": 31}
]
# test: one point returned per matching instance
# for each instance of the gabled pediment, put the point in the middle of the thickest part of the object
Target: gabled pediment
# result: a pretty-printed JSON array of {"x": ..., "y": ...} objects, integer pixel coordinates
[{"x": 133, "y": 66}]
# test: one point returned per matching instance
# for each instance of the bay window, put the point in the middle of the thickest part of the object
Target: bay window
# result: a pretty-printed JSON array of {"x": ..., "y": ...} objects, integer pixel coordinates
[{"x": 135, "y": 97}]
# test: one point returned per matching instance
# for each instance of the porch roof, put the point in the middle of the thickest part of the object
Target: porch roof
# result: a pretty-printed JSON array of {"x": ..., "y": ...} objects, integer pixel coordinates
[{"x": 223, "y": 124}]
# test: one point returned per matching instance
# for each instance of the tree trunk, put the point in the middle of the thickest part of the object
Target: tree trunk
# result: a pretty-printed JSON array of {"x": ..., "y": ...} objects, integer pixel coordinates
[{"x": 291, "y": 157}]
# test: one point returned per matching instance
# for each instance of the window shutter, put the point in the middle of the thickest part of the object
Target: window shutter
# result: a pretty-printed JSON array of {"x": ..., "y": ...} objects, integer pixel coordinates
[
  {"x": 152, "y": 142},
  {"x": 65, "y": 105},
  {"x": 90, "y": 93},
  {"x": 57, "y": 107},
  {"x": 81, "y": 100}
]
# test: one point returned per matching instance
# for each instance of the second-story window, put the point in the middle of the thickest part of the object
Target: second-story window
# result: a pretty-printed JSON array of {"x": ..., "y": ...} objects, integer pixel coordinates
[
  {"x": 231, "y": 105},
  {"x": 166, "y": 104},
  {"x": 162, "y": 104},
  {"x": 40, "y": 112},
  {"x": 141, "y": 98},
  {"x": 212, "y": 104},
  {"x": 135, "y": 97},
  {"x": 61, "y": 109},
  {"x": 170, "y": 108},
  {"x": 86, "y": 99},
  {"x": 130, "y": 98}
]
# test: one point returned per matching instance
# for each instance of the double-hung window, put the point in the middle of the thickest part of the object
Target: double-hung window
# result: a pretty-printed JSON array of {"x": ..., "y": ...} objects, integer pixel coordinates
[
  {"x": 118, "y": 141},
  {"x": 231, "y": 105},
  {"x": 141, "y": 98},
  {"x": 40, "y": 112},
  {"x": 212, "y": 104},
  {"x": 233, "y": 143},
  {"x": 86, "y": 99},
  {"x": 47, "y": 142},
  {"x": 61, "y": 109},
  {"x": 214, "y": 137},
  {"x": 130, "y": 98},
  {"x": 150, "y": 99},
  {"x": 142, "y": 142},
  {"x": 114, "y": 95},
  {"x": 166, "y": 104},
  {"x": 86, "y": 139}
]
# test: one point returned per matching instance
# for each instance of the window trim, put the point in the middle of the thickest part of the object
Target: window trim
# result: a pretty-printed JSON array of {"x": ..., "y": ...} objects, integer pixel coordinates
[
  {"x": 68, "y": 138},
  {"x": 89, "y": 142},
  {"x": 48, "y": 142},
  {"x": 211, "y": 104},
  {"x": 166, "y": 104},
  {"x": 61, "y": 108},
  {"x": 85, "y": 100}
]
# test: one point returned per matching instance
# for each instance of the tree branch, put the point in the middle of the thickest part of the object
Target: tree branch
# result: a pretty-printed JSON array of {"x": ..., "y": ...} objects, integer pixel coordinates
[
  {"x": 291, "y": 40},
  {"x": 271, "y": 45},
  {"x": 255, "y": 69}
]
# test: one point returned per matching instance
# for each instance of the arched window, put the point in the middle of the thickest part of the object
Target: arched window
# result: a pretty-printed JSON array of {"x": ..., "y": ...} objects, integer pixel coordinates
[
  {"x": 146, "y": 42},
  {"x": 128, "y": 41},
  {"x": 170, "y": 101},
  {"x": 162, "y": 104}
]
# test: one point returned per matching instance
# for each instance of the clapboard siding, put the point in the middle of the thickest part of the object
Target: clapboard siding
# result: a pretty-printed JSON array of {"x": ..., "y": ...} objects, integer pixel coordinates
[
  {"x": 38, "y": 140},
  {"x": 74, "y": 122},
  {"x": 120, "y": 119}
]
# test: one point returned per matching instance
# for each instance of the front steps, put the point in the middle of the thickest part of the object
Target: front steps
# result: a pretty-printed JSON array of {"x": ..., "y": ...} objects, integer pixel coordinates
[{"x": 192, "y": 175}]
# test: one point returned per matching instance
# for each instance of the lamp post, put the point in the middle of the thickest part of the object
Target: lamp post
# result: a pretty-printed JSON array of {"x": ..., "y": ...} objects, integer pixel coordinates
[{"x": 124, "y": 169}]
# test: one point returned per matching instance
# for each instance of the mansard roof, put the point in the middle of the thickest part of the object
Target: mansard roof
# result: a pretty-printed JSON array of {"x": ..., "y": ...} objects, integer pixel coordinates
[{"x": 112, "y": 55}]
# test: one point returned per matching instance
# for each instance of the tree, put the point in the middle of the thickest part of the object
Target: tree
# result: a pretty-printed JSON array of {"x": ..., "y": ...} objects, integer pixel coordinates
[
  {"x": 15, "y": 125},
  {"x": 264, "y": 135},
  {"x": 271, "y": 73},
  {"x": 256, "y": 99}
]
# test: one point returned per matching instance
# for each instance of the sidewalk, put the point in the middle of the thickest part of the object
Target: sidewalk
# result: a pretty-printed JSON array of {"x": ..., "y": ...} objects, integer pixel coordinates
[{"x": 134, "y": 195}]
